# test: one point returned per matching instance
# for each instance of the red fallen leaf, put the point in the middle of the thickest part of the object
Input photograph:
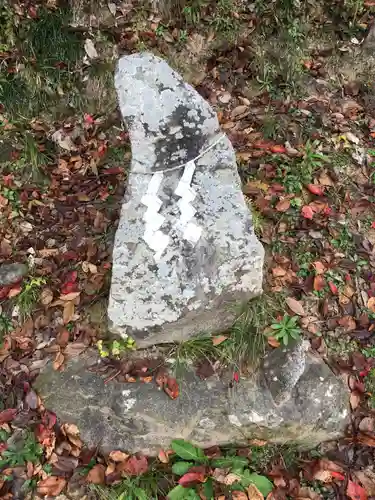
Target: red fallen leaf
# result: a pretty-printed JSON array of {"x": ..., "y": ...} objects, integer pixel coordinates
[
  {"x": 337, "y": 475},
  {"x": 307, "y": 212},
  {"x": 89, "y": 119},
  {"x": 13, "y": 292},
  {"x": 278, "y": 149},
  {"x": 69, "y": 287},
  {"x": 355, "y": 491},
  {"x": 70, "y": 255},
  {"x": 333, "y": 288},
  {"x": 32, "y": 12},
  {"x": 373, "y": 225},
  {"x": 8, "y": 180},
  {"x": 190, "y": 478},
  {"x": 135, "y": 466},
  {"x": 319, "y": 283},
  {"x": 315, "y": 189},
  {"x": 236, "y": 377},
  {"x": 7, "y": 415}
]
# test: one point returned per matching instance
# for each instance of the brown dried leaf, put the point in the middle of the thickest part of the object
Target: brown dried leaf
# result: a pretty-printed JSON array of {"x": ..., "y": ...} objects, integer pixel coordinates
[
  {"x": 46, "y": 296},
  {"x": 163, "y": 457},
  {"x": 295, "y": 306},
  {"x": 51, "y": 486},
  {"x": 273, "y": 342},
  {"x": 58, "y": 361},
  {"x": 253, "y": 493},
  {"x": 68, "y": 313},
  {"x": 70, "y": 296},
  {"x": 239, "y": 495},
  {"x": 283, "y": 205},
  {"x": 118, "y": 456},
  {"x": 96, "y": 475},
  {"x": 355, "y": 399},
  {"x": 239, "y": 110},
  {"x": 278, "y": 272},
  {"x": 348, "y": 322}
]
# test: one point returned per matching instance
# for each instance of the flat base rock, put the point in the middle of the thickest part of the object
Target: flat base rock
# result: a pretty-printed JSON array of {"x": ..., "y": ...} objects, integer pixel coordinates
[{"x": 306, "y": 409}]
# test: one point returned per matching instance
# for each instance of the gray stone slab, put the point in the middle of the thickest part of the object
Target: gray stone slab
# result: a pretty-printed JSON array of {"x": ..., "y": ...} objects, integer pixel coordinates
[
  {"x": 12, "y": 273},
  {"x": 139, "y": 417},
  {"x": 191, "y": 288}
]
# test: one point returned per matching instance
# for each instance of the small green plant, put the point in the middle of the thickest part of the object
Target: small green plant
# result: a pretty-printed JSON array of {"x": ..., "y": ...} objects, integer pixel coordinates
[
  {"x": 286, "y": 329},
  {"x": 189, "y": 456},
  {"x": 192, "y": 351},
  {"x": 344, "y": 241},
  {"x": 21, "y": 451},
  {"x": 115, "y": 348},
  {"x": 312, "y": 159},
  {"x": 369, "y": 352},
  {"x": 160, "y": 30},
  {"x": 223, "y": 21},
  {"x": 183, "y": 36},
  {"x": 246, "y": 342},
  {"x": 192, "y": 11},
  {"x": 263, "y": 457},
  {"x": 6, "y": 326},
  {"x": 29, "y": 296}
]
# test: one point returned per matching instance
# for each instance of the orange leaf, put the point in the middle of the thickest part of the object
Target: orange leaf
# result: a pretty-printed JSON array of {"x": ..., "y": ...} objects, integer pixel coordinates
[
  {"x": 371, "y": 304},
  {"x": 355, "y": 491},
  {"x": 278, "y": 149},
  {"x": 96, "y": 475},
  {"x": 307, "y": 212},
  {"x": 273, "y": 342},
  {"x": 219, "y": 339},
  {"x": 333, "y": 288},
  {"x": 319, "y": 267},
  {"x": 278, "y": 272},
  {"x": 295, "y": 306},
  {"x": 13, "y": 292},
  {"x": 171, "y": 388},
  {"x": 51, "y": 486}
]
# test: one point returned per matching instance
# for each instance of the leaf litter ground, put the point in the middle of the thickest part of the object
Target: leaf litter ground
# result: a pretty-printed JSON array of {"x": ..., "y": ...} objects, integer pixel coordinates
[{"x": 303, "y": 128}]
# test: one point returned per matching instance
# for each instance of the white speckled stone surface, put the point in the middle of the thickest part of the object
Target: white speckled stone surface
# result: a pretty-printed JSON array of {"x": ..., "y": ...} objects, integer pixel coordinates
[{"x": 192, "y": 288}]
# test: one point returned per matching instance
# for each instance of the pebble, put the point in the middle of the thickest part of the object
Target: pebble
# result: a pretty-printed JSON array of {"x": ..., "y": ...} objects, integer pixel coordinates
[{"x": 12, "y": 273}]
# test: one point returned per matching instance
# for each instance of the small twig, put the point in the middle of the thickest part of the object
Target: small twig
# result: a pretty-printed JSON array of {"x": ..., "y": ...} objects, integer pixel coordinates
[{"x": 111, "y": 377}]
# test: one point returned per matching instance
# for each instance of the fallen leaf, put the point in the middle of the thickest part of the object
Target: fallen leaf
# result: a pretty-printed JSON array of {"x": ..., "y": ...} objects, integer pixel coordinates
[
  {"x": 315, "y": 189},
  {"x": 239, "y": 110},
  {"x": 319, "y": 283},
  {"x": 231, "y": 478},
  {"x": 219, "y": 339},
  {"x": 62, "y": 337},
  {"x": 163, "y": 457},
  {"x": 171, "y": 388},
  {"x": 348, "y": 322},
  {"x": 239, "y": 495},
  {"x": 51, "y": 486},
  {"x": 253, "y": 493},
  {"x": 96, "y": 475},
  {"x": 90, "y": 49},
  {"x": 58, "y": 361},
  {"x": 371, "y": 304},
  {"x": 68, "y": 312},
  {"x": 273, "y": 342},
  {"x": 282, "y": 205},
  {"x": 355, "y": 399},
  {"x": 70, "y": 296},
  {"x": 191, "y": 478},
  {"x": 32, "y": 400},
  {"x": 46, "y": 296},
  {"x": 278, "y": 149},
  {"x": 307, "y": 212},
  {"x": 135, "y": 466},
  {"x": 333, "y": 287},
  {"x": 326, "y": 180},
  {"x": 7, "y": 415},
  {"x": 355, "y": 491},
  {"x": 278, "y": 272},
  {"x": 319, "y": 267},
  {"x": 295, "y": 306},
  {"x": 118, "y": 456}
]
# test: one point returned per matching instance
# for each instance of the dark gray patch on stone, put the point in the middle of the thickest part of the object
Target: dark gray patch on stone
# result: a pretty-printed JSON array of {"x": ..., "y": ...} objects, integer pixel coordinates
[{"x": 12, "y": 273}]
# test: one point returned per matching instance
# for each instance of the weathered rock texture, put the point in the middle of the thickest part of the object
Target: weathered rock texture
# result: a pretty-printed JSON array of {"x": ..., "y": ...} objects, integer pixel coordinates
[
  {"x": 296, "y": 399},
  {"x": 191, "y": 289}
]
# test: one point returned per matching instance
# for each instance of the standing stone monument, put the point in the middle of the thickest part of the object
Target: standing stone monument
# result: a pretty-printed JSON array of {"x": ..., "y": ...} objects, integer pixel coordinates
[{"x": 185, "y": 249}]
